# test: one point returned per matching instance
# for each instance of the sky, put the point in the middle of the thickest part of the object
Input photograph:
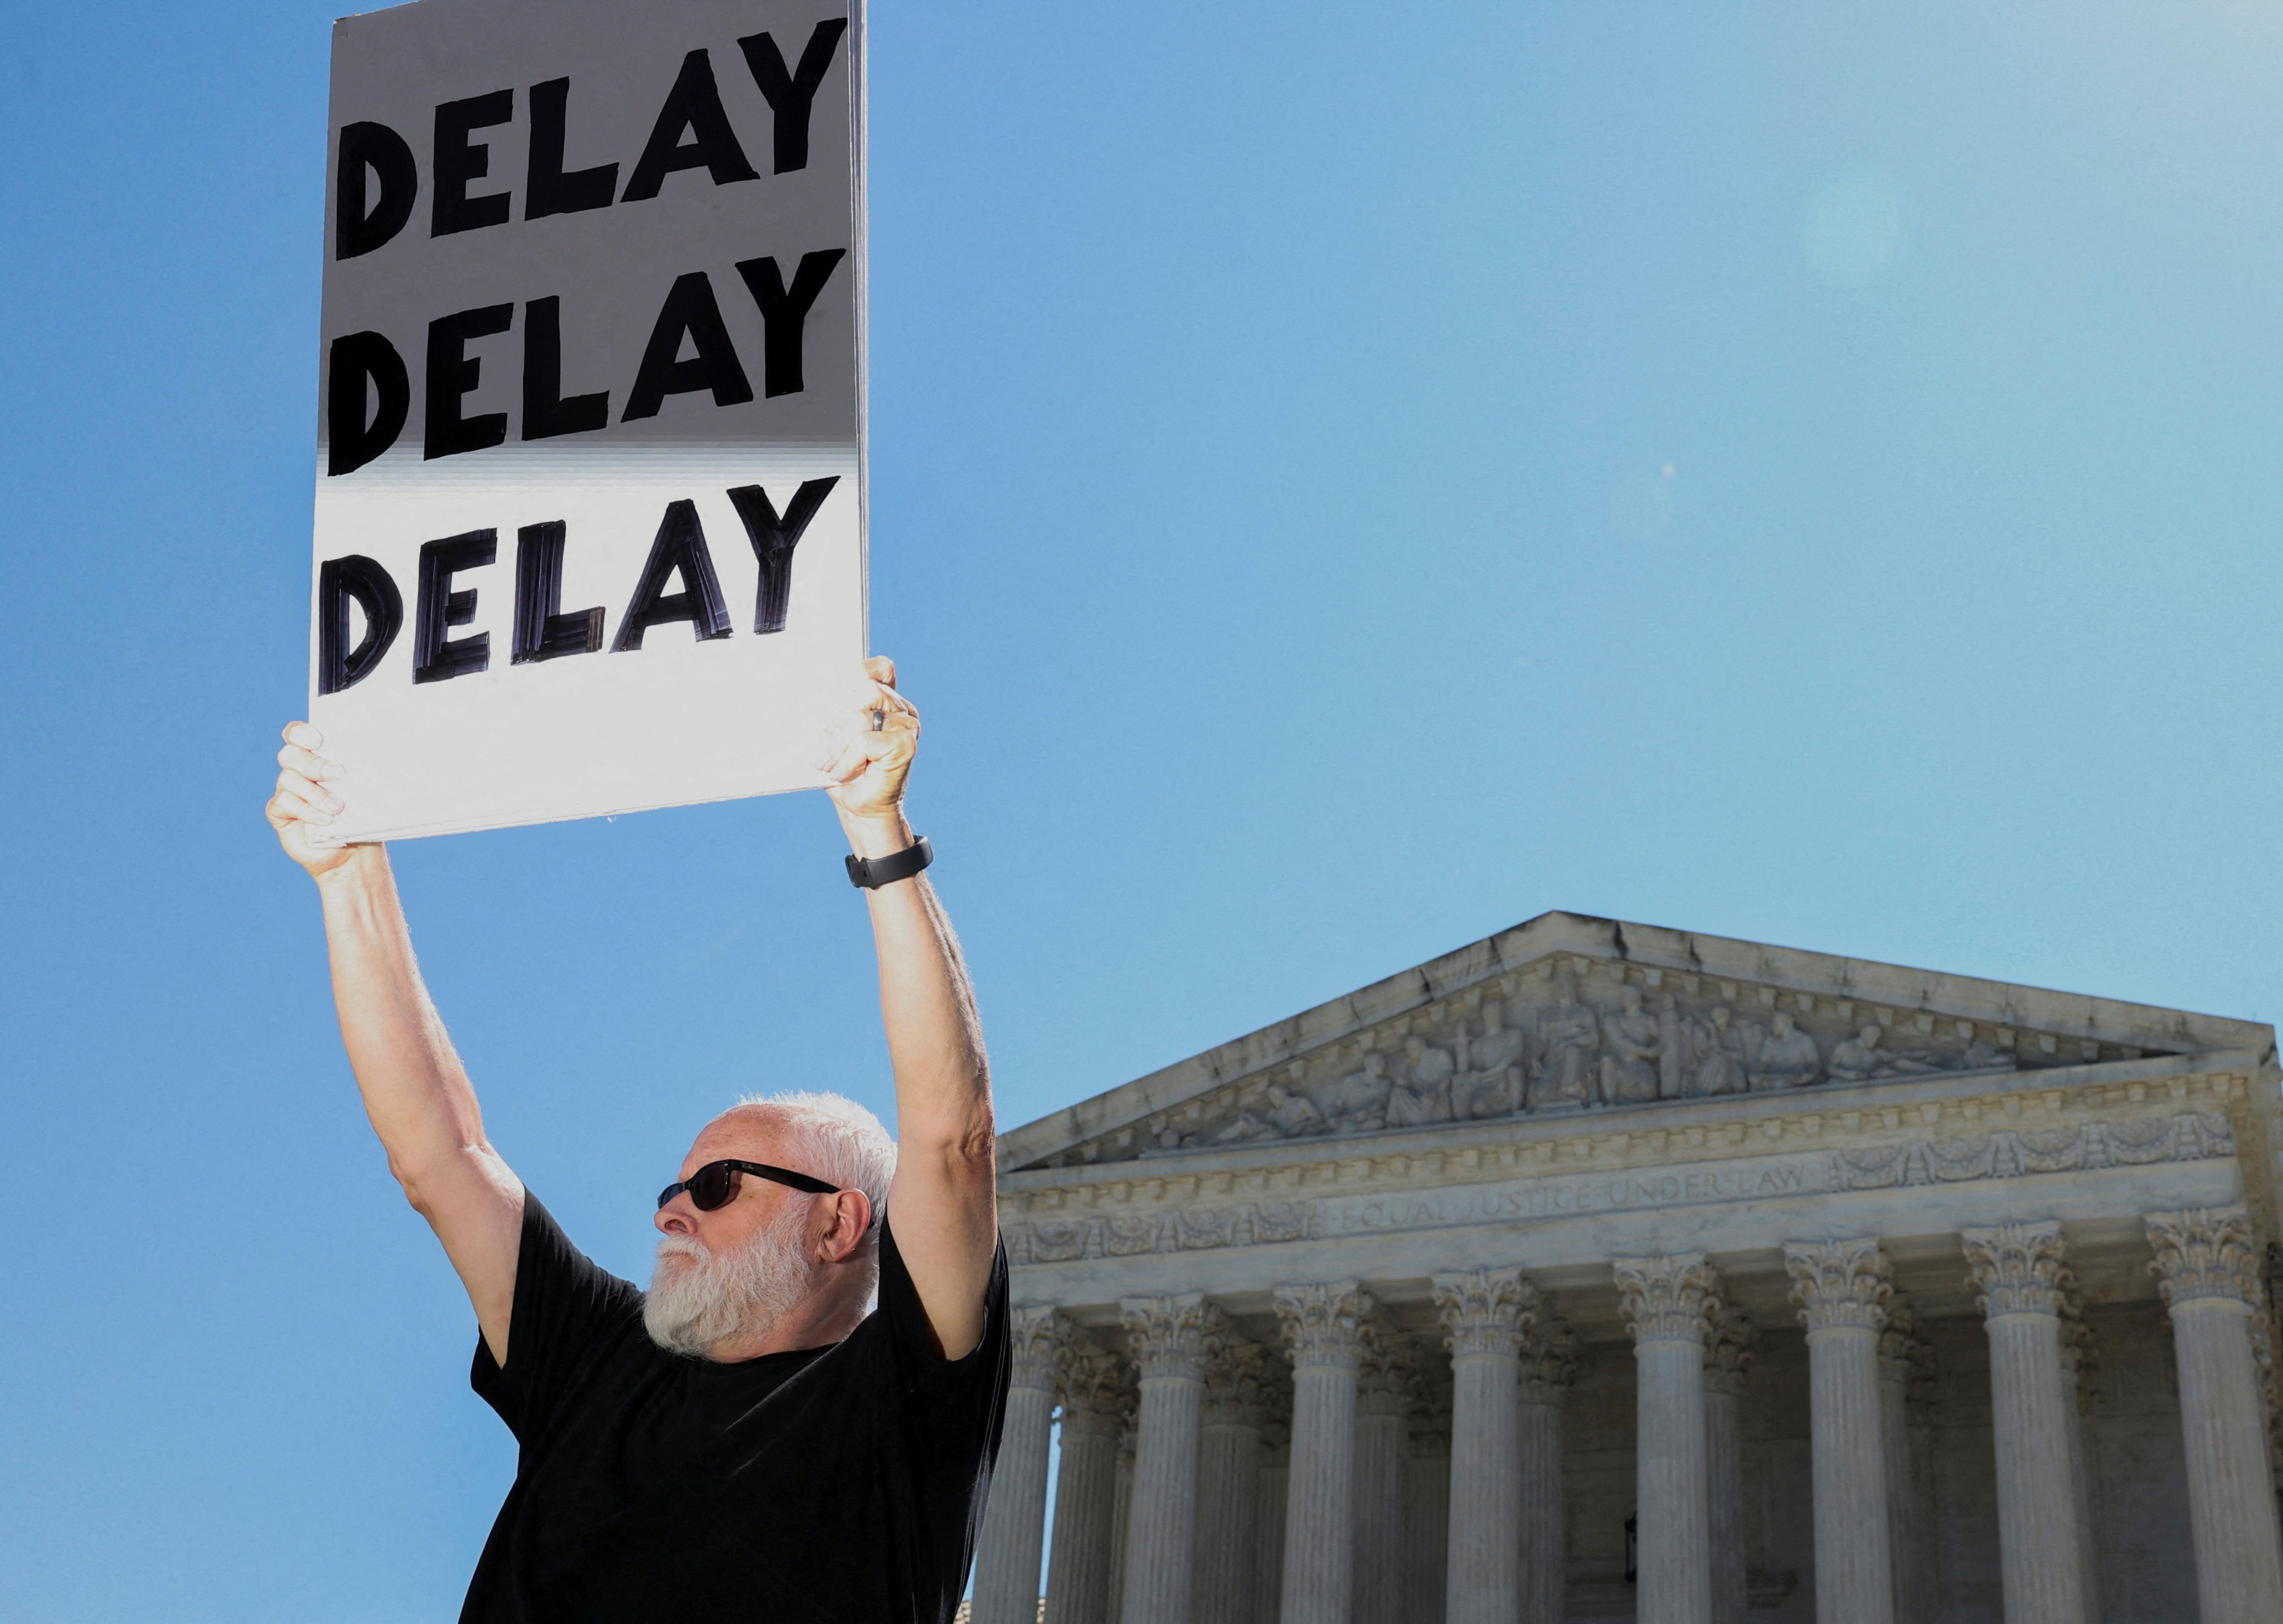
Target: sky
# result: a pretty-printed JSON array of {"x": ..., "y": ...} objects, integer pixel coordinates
[{"x": 1344, "y": 481}]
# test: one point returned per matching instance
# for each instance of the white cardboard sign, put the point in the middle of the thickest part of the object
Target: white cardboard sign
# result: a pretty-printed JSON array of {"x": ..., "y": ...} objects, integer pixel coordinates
[{"x": 590, "y": 471}]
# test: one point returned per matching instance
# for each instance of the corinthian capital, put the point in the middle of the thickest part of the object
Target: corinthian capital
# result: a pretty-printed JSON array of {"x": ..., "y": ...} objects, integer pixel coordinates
[
  {"x": 1037, "y": 1336},
  {"x": 1383, "y": 1386},
  {"x": 1839, "y": 1285},
  {"x": 1097, "y": 1388},
  {"x": 2205, "y": 1252},
  {"x": 1549, "y": 1362},
  {"x": 2016, "y": 1268},
  {"x": 1169, "y": 1335},
  {"x": 1729, "y": 1357},
  {"x": 1668, "y": 1299},
  {"x": 1486, "y": 1312},
  {"x": 1323, "y": 1324},
  {"x": 1236, "y": 1371}
]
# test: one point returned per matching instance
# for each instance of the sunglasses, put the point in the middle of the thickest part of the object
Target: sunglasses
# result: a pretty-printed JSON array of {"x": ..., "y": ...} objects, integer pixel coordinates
[{"x": 715, "y": 1184}]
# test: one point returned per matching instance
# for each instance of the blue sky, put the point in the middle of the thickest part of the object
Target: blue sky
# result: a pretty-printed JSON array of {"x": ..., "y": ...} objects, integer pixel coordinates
[{"x": 1344, "y": 481}]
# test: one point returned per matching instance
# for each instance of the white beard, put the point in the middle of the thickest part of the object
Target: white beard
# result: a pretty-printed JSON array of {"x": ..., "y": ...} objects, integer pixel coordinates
[{"x": 721, "y": 1294}]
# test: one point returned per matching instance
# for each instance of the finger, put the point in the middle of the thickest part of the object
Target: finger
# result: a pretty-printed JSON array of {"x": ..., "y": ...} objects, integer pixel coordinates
[
  {"x": 290, "y": 782},
  {"x": 290, "y": 806},
  {"x": 303, "y": 735},
  {"x": 309, "y": 765},
  {"x": 866, "y": 750},
  {"x": 881, "y": 669}
]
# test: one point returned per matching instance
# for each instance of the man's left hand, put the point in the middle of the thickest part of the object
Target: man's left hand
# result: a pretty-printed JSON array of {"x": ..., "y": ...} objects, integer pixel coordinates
[{"x": 869, "y": 752}]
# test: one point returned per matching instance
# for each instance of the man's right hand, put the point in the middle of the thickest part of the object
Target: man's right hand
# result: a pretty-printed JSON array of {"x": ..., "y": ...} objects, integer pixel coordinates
[{"x": 306, "y": 797}]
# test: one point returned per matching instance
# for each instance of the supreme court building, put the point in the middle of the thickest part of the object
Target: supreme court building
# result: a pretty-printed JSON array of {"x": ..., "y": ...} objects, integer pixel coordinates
[{"x": 1601, "y": 1271}]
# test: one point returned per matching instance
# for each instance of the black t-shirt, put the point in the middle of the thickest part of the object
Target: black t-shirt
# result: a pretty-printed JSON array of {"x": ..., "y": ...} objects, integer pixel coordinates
[{"x": 841, "y": 1483}]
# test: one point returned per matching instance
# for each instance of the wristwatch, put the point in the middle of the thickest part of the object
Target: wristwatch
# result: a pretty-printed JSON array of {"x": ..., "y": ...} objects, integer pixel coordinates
[{"x": 869, "y": 873}]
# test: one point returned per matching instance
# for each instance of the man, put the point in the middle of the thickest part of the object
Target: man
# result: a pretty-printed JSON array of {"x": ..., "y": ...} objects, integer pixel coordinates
[{"x": 752, "y": 1439}]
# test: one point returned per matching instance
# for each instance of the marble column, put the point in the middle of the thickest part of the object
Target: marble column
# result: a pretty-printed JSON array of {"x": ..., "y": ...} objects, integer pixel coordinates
[
  {"x": 1228, "y": 1489},
  {"x": 1841, "y": 1287},
  {"x": 1549, "y": 1364},
  {"x": 1895, "y": 1447},
  {"x": 1427, "y": 1493},
  {"x": 1484, "y": 1313},
  {"x": 1922, "y": 1559},
  {"x": 2016, "y": 1271},
  {"x": 1008, "y": 1550},
  {"x": 2078, "y": 1362},
  {"x": 1669, "y": 1304},
  {"x": 2207, "y": 1269},
  {"x": 1268, "y": 1547},
  {"x": 1170, "y": 1338},
  {"x": 1322, "y": 1326},
  {"x": 1726, "y": 1362},
  {"x": 1121, "y": 1509},
  {"x": 1098, "y": 1399},
  {"x": 1382, "y": 1403}
]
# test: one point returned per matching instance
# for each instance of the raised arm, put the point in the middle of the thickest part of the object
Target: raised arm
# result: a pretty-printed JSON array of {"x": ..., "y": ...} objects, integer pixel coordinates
[
  {"x": 416, "y": 1091},
  {"x": 944, "y": 1200}
]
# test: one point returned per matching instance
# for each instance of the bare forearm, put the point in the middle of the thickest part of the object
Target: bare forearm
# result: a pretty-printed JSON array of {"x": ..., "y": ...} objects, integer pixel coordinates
[
  {"x": 935, "y": 1039},
  {"x": 415, "y": 1092}
]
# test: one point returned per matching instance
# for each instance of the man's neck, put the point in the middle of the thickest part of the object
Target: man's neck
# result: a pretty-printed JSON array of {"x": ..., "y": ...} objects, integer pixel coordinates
[{"x": 823, "y": 1319}]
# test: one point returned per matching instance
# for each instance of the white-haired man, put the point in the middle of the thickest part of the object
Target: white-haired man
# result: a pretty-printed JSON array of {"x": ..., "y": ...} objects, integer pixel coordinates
[{"x": 751, "y": 1438}]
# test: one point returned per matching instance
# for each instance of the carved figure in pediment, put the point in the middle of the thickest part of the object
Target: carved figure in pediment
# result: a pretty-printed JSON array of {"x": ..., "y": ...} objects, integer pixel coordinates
[
  {"x": 1424, "y": 1096},
  {"x": 1358, "y": 1102},
  {"x": 1784, "y": 1056},
  {"x": 1860, "y": 1059},
  {"x": 1494, "y": 1087},
  {"x": 1629, "y": 1063},
  {"x": 1718, "y": 1045},
  {"x": 1292, "y": 1114},
  {"x": 1571, "y": 1034},
  {"x": 1988, "y": 1057},
  {"x": 1675, "y": 1057}
]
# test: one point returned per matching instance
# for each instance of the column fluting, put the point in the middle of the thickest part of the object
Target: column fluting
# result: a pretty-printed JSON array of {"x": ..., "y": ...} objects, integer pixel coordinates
[
  {"x": 1098, "y": 1400},
  {"x": 1427, "y": 1492},
  {"x": 1895, "y": 1447},
  {"x": 1727, "y": 1361},
  {"x": 1228, "y": 1489},
  {"x": 2207, "y": 1270},
  {"x": 1009, "y": 1547},
  {"x": 2018, "y": 1271},
  {"x": 1549, "y": 1364},
  {"x": 1322, "y": 1326},
  {"x": 1169, "y": 1338},
  {"x": 1483, "y": 1314},
  {"x": 1669, "y": 1304},
  {"x": 1841, "y": 1288}
]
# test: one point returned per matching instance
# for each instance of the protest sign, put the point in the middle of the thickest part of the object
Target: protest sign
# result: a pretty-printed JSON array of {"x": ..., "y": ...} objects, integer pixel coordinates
[{"x": 590, "y": 476}]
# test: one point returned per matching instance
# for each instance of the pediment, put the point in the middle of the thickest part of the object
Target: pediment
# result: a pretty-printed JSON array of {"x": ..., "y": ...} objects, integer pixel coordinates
[{"x": 1570, "y": 1014}]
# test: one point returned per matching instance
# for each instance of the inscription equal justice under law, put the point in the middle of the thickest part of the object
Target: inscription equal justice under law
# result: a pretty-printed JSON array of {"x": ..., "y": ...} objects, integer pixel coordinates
[{"x": 1581, "y": 1192}]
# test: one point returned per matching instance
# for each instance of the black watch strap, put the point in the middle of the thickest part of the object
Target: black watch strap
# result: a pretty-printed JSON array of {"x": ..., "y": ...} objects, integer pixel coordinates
[{"x": 871, "y": 872}]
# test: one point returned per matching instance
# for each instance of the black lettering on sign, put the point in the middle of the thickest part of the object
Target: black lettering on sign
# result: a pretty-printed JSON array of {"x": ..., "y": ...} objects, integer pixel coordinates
[
  {"x": 457, "y": 160},
  {"x": 340, "y": 580},
  {"x": 541, "y": 633},
  {"x": 784, "y": 314},
  {"x": 694, "y": 105},
  {"x": 545, "y": 412},
  {"x": 547, "y": 189},
  {"x": 363, "y": 223},
  {"x": 452, "y": 373},
  {"x": 363, "y": 368},
  {"x": 679, "y": 547},
  {"x": 790, "y": 96},
  {"x": 689, "y": 312},
  {"x": 434, "y": 657},
  {"x": 774, "y": 539}
]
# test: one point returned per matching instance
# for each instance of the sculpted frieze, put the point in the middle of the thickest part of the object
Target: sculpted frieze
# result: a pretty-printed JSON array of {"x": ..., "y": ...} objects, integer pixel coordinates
[
  {"x": 1578, "y": 1035},
  {"x": 2187, "y": 1136}
]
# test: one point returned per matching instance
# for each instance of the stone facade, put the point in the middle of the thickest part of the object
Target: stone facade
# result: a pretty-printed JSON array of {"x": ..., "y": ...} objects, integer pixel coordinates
[{"x": 1596, "y": 1270}]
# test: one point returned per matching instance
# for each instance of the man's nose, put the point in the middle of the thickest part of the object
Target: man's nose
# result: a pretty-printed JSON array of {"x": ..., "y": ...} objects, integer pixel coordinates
[{"x": 677, "y": 1216}]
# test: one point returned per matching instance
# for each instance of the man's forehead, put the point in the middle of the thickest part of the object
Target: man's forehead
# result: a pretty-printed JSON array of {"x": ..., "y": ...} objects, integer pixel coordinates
[{"x": 745, "y": 1134}]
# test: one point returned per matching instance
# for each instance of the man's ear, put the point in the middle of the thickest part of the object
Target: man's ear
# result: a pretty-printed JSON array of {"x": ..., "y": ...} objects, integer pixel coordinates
[{"x": 852, "y": 1221}]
